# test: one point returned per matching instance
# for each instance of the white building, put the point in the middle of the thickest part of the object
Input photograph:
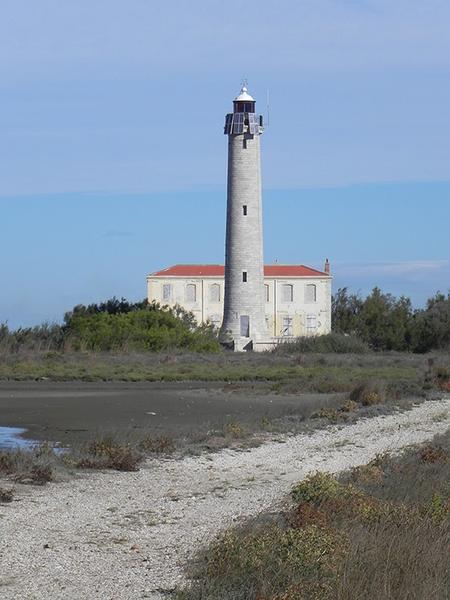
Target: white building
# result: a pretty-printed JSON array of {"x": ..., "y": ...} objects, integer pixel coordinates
[{"x": 297, "y": 299}]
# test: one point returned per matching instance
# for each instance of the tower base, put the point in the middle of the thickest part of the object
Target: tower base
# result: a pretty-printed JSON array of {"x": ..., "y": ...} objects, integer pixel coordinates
[{"x": 248, "y": 345}]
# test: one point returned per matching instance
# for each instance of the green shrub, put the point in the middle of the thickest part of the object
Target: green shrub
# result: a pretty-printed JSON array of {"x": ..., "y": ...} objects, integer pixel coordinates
[
  {"x": 331, "y": 343},
  {"x": 149, "y": 329},
  {"x": 234, "y": 429},
  {"x": 438, "y": 508},
  {"x": 381, "y": 531},
  {"x": 264, "y": 561},
  {"x": 316, "y": 488},
  {"x": 369, "y": 393},
  {"x": 114, "y": 325},
  {"x": 349, "y": 406},
  {"x": 326, "y": 413}
]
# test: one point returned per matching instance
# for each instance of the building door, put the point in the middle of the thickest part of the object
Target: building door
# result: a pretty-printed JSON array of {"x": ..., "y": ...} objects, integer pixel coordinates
[{"x": 245, "y": 326}]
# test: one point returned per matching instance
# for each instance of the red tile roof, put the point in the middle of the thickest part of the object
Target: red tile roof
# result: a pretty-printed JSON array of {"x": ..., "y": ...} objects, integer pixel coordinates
[{"x": 219, "y": 271}]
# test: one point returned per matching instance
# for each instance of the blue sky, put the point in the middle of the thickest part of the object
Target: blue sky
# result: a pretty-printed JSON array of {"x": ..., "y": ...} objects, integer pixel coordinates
[{"x": 113, "y": 161}]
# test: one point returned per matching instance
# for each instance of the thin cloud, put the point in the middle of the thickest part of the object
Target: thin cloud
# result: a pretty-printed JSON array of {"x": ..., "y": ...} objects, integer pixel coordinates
[{"x": 393, "y": 268}]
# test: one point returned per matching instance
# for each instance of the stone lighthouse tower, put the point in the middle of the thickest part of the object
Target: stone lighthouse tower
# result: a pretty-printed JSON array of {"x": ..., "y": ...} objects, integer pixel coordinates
[{"x": 244, "y": 318}]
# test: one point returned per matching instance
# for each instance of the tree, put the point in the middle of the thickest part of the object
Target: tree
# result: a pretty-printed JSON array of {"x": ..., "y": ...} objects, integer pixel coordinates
[
  {"x": 345, "y": 311},
  {"x": 431, "y": 328},
  {"x": 385, "y": 321}
]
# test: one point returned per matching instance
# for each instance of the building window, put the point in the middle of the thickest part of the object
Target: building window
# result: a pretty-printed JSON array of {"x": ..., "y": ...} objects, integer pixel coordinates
[
  {"x": 266, "y": 292},
  {"x": 244, "y": 276},
  {"x": 287, "y": 292},
  {"x": 214, "y": 292},
  {"x": 311, "y": 323},
  {"x": 191, "y": 292},
  {"x": 310, "y": 293},
  {"x": 245, "y": 326},
  {"x": 167, "y": 291},
  {"x": 244, "y": 210},
  {"x": 287, "y": 327}
]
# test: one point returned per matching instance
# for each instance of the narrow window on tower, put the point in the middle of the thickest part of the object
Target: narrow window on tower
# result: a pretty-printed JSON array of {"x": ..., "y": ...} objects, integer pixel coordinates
[
  {"x": 244, "y": 276},
  {"x": 244, "y": 210}
]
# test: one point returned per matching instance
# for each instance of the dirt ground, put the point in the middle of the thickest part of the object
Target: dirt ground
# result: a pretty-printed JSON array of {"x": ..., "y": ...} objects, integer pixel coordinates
[{"x": 71, "y": 411}]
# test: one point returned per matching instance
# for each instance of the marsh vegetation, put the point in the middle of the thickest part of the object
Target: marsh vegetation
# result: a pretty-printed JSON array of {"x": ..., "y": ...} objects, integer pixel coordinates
[
  {"x": 379, "y": 322},
  {"x": 381, "y": 531}
]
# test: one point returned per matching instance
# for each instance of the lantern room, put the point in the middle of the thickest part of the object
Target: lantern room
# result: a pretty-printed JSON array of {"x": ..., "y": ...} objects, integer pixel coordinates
[
  {"x": 244, "y": 103},
  {"x": 243, "y": 118}
]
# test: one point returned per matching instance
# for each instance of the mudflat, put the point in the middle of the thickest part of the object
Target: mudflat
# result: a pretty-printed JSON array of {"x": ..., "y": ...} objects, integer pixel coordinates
[{"x": 75, "y": 411}]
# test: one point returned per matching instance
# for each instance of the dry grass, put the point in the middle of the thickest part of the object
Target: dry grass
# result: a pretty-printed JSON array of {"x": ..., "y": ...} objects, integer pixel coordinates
[
  {"x": 6, "y": 494},
  {"x": 161, "y": 444},
  {"x": 106, "y": 452},
  {"x": 369, "y": 393},
  {"x": 35, "y": 466},
  {"x": 380, "y": 531},
  {"x": 42, "y": 463}
]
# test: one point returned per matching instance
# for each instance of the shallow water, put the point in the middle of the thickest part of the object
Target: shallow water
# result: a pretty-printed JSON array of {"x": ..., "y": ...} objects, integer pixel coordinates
[{"x": 10, "y": 438}]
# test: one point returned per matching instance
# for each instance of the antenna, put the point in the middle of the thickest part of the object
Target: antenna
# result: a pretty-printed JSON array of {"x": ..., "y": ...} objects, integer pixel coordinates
[{"x": 268, "y": 108}]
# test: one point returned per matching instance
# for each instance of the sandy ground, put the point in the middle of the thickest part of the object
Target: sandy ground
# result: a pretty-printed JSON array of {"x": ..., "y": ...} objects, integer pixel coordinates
[{"x": 126, "y": 536}]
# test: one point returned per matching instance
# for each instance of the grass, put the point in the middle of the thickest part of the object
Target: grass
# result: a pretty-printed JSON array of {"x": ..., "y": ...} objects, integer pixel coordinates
[
  {"x": 294, "y": 372},
  {"x": 379, "y": 531},
  {"x": 333, "y": 342},
  {"x": 41, "y": 464}
]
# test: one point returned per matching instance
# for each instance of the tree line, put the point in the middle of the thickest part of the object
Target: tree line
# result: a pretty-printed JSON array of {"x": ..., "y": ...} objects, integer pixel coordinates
[
  {"x": 385, "y": 322},
  {"x": 380, "y": 321}
]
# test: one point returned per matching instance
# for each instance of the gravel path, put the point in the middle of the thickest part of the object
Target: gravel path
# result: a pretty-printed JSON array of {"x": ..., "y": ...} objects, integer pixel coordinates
[{"x": 127, "y": 536}]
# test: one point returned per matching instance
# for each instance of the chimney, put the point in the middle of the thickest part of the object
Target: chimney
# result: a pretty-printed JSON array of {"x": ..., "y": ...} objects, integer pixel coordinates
[{"x": 327, "y": 266}]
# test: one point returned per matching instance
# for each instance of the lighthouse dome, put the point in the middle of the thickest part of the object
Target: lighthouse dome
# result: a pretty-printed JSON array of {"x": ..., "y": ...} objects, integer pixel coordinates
[{"x": 244, "y": 96}]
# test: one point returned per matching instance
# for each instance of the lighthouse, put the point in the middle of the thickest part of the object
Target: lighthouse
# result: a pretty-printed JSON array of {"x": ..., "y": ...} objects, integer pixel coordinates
[{"x": 244, "y": 322}]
